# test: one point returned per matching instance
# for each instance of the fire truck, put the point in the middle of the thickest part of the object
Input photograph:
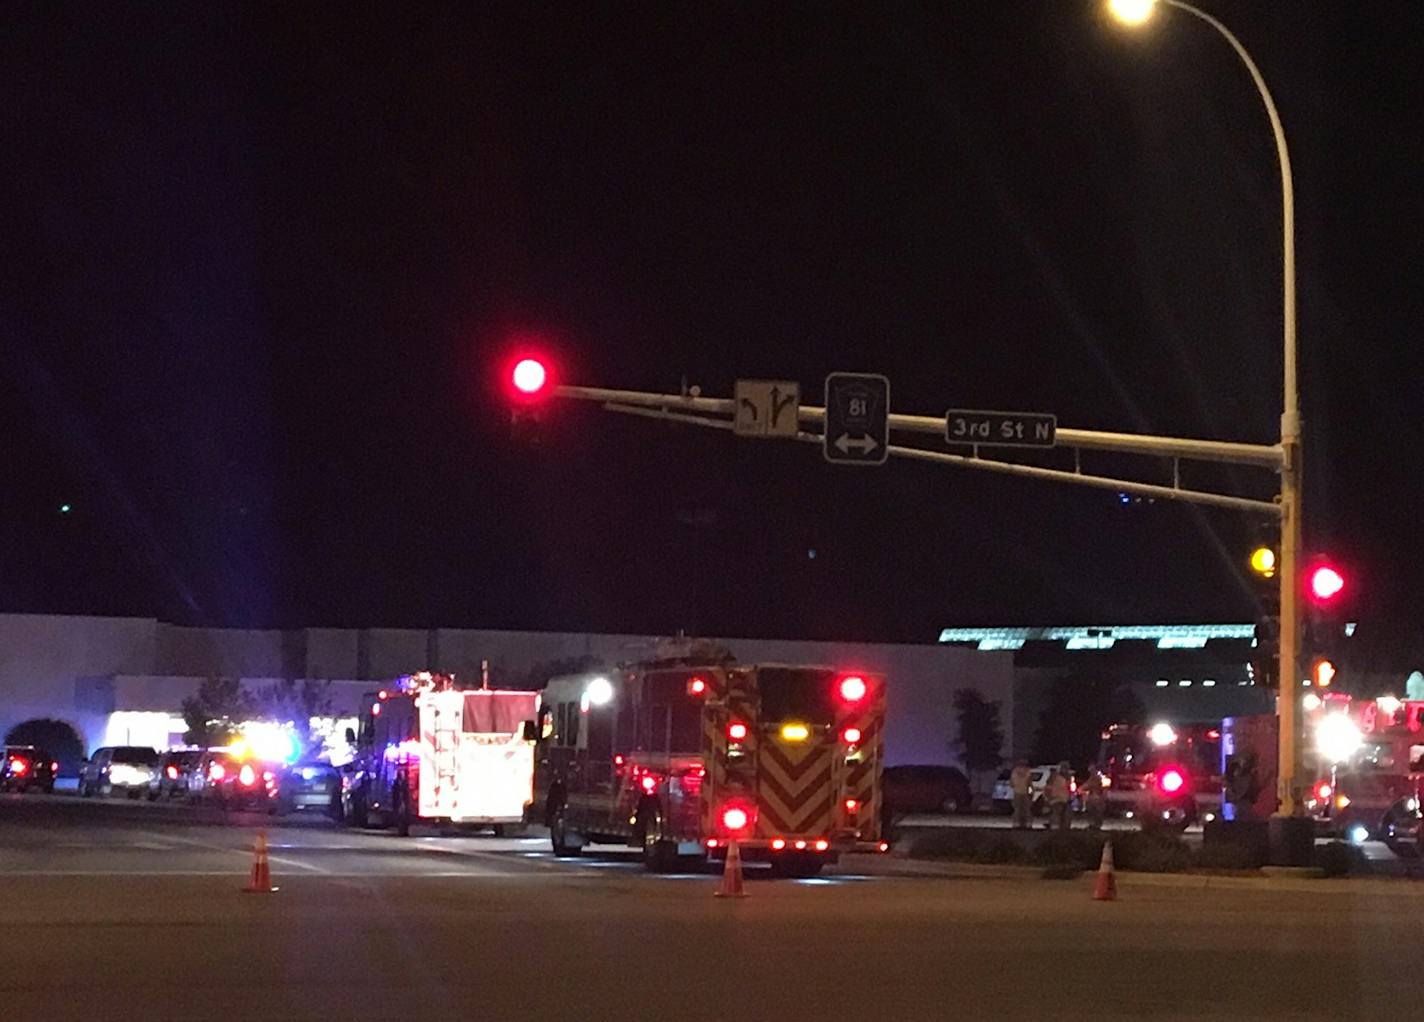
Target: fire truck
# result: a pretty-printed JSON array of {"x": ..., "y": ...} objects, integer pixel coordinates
[
  {"x": 1165, "y": 775},
  {"x": 1368, "y": 761},
  {"x": 430, "y": 751},
  {"x": 680, "y": 758}
]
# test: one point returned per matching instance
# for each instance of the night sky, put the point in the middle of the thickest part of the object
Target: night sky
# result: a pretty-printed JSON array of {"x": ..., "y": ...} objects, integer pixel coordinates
[{"x": 263, "y": 263}]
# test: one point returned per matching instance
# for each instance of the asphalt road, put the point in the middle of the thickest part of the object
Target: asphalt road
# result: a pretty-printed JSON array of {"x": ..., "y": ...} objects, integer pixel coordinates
[{"x": 129, "y": 911}]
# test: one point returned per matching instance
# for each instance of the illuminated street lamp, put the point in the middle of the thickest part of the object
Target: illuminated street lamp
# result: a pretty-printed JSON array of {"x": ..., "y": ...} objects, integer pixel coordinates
[
  {"x": 1131, "y": 12},
  {"x": 1136, "y": 12}
]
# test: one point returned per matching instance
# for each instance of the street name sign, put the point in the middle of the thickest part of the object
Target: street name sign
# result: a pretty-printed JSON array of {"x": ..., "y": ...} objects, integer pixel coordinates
[
  {"x": 1000, "y": 429},
  {"x": 857, "y": 419},
  {"x": 766, "y": 408}
]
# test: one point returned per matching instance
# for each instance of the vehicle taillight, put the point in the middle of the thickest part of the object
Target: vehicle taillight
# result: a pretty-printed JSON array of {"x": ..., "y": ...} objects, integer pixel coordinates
[
  {"x": 800, "y": 846},
  {"x": 852, "y": 806},
  {"x": 697, "y": 687},
  {"x": 19, "y": 766},
  {"x": 216, "y": 772},
  {"x": 1323, "y": 791},
  {"x": 246, "y": 776},
  {"x": 172, "y": 773},
  {"x": 650, "y": 784},
  {"x": 736, "y": 731},
  {"x": 1171, "y": 781},
  {"x": 778, "y": 844},
  {"x": 853, "y": 688},
  {"x": 54, "y": 767},
  {"x": 851, "y": 735},
  {"x": 822, "y": 844}
]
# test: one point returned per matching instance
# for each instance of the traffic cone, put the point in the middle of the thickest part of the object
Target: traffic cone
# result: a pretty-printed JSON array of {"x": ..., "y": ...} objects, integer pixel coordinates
[
  {"x": 261, "y": 880},
  {"x": 732, "y": 875},
  {"x": 1105, "y": 888}
]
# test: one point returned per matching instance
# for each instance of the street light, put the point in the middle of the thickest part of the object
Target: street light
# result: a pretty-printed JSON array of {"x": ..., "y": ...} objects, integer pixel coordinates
[
  {"x": 1135, "y": 12},
  {"x": 1131, "y": 12}
]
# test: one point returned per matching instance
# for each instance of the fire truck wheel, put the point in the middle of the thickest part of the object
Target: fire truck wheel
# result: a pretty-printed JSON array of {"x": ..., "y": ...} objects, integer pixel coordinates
[
  {"x": 558, "y": 834},
  {"x": 659, "y": 855}
]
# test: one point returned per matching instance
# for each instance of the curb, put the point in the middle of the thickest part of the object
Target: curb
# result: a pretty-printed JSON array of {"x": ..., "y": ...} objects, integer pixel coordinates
[{"x": 1277, "y": 878}]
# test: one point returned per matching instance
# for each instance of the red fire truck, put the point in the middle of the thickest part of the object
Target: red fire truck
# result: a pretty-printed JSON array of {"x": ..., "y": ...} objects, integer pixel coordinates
[
  {"x": 1367, "y": 756},
  {"x": 431, "y": 751},
  {"x": 680, "y": 758},
  {"x": 1165, "y": 775}
]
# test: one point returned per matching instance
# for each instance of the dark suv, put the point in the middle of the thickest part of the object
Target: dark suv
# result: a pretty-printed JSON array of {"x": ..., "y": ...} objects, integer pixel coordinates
[
  {"x": 171, "y": 779},
  {"x": 25, "y": 768},
  {"x": 924, "y": 789}
]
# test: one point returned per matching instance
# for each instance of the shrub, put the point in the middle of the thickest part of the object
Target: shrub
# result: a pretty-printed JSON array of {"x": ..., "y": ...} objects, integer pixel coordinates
[
  {"x": 1077, "y": 849},
  {"x": 1151, "y": 852}
]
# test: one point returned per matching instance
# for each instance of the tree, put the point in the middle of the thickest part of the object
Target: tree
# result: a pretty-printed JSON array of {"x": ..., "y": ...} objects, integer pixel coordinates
[
  {"x": 298, "y": 702},
  {"x": 212, "y": 715},
  {"x": 981, "y": 735},
  {"x": 55, "y": 738}
]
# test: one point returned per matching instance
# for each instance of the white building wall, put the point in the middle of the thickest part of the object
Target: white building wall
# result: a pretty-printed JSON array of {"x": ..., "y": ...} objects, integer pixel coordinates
[
  {"x": 218, "y": 651},
  {"x": 41, "y": 656}
]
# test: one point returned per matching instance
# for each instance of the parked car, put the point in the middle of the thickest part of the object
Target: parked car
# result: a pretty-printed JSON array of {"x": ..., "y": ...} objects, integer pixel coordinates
[
  {"x": 225, "y": 780},
  {"x": 118, "y": 768},
  {"x": 925, "y": 789},
  {"x": 310, "y": 785},
  {"x": 171, "y": 778},
  {"x": 26, "y": 768}
]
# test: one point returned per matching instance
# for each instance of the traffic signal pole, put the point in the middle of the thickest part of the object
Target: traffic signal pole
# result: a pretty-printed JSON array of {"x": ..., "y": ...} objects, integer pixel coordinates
[
  {"x": 1286, "y": 457},
  {"x": 717, "y": 413}
]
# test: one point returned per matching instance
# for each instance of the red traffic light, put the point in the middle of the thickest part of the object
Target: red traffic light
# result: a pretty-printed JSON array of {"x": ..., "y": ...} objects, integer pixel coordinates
[
  {"x": 529, "y": 376},
  {"x": 1325, "y": 583}
]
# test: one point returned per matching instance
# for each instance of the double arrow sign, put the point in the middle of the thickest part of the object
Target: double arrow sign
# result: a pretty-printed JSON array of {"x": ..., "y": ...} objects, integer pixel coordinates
[{"x": 857, "y": 430}]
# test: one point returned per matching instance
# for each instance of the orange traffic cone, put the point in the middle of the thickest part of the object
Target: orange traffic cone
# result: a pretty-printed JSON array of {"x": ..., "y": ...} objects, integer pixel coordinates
[
  {"x": 1105, "y": 888},
  {"x": 732, "y": 875},
  {"x": 261, "y": 880}
]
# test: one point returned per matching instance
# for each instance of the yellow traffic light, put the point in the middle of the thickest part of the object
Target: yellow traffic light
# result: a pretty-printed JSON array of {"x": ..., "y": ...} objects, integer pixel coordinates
[
  {"x": 1263, "y": 561},
  {"x": 1323, "y": 673}
]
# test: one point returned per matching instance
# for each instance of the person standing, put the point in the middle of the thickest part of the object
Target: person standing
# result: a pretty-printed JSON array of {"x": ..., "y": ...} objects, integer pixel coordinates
[
  {"x": 1056, "y": 793},
  {"x": 1095, "y": 799},
  {"x": 1021, "y": 786}
]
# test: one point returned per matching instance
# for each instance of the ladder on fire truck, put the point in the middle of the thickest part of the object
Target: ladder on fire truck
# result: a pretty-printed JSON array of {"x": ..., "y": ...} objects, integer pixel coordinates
[{"x": 445, "y": 739}]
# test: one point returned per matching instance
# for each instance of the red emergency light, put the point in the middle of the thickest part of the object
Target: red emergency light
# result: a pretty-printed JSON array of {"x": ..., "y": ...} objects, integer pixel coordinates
[
  {"x": 649, "y": 783},
  {"x": 853, "y": 688},
  {"x": 736, "y": 818},
  {"x": 851, "y": 735},
  {"x": 19, "y": 766},
  {"x": 697, "y": 687},
  {"x": 1171, "y": 780},
  {"x": 737, "y": 731},
  {"x": 172, "y": 773}
]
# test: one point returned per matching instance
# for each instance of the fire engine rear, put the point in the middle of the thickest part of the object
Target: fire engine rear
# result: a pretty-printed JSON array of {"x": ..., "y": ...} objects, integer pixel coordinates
[
  {"x": 1165, "y": 775},
  {"x": 680, "y": 759},
  {"x": 430, "y": 751}
]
